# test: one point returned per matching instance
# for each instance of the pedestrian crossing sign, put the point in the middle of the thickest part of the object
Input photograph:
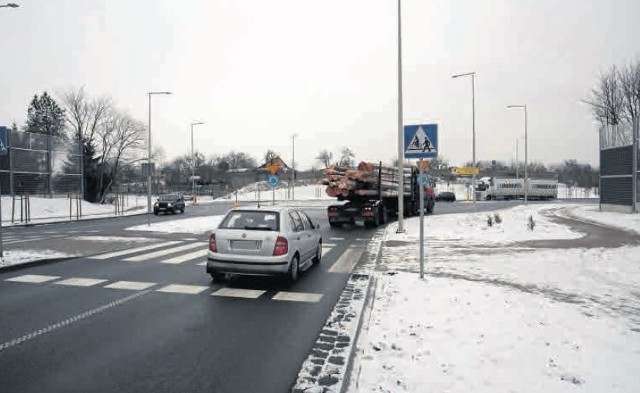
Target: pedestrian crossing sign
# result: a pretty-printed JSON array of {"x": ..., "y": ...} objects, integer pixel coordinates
[{"x": 421, "y": 141}]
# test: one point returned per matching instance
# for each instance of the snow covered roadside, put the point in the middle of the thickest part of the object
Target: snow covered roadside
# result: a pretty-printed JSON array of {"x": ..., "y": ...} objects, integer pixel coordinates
[
  {"x": 196, "y": 225},
  {"x": 495, "y": 318},
  {"x": 627, "y": 221},
  {"x": 20, "y": 257}
]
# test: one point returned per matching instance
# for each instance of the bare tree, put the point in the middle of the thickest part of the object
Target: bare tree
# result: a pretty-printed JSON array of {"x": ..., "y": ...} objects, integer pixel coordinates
[
  {"x": 630, "y": 83},
  {"x": 325, "y": 157},
  {"x": 83, "y": 114},
  {"x": 346, "y": 157},
  {"x": 270, "y": 155},
  {"x": 121, "y": 139},
  {"x": 608, "y": 106}
]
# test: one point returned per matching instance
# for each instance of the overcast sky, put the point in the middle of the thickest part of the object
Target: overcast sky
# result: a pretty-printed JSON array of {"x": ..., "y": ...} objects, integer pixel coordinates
[{"x": 258, "y": 71}]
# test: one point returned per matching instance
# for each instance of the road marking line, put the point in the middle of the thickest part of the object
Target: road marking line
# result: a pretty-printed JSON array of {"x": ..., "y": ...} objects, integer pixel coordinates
[
  {"x": 325, "y": 249},
  {"x": 132, "y": 250},
  {"x": 329, "y": 244},
  {"x": 33, "y": 278},
  {"x": 298, "y": 297},
  {"x": 239, "y": 292},
  {"x": 177, "y": 288},
  {"x": 202, "y": 264},
  {"x": 131, "y": 285},
  {"x": 80, "y": 282},
  {"x": 336, "y": 238},
  {"x": 186, "y": 257},
  {"x": 347, "y": 261},
  {"x": 161, "y": 253},
  {"x": 69, "y": 321}
]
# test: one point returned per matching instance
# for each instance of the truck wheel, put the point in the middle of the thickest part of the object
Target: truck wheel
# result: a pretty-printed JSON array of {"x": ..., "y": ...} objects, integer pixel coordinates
[{"x": 430, "y": 207}]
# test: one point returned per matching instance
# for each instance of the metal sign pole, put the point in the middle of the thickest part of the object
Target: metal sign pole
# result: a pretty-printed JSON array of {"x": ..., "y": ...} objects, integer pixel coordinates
[
  {"x": 421, "y": 185},
  {"x": 634, "y": 170},
  {"x": 1, "y": 240}
]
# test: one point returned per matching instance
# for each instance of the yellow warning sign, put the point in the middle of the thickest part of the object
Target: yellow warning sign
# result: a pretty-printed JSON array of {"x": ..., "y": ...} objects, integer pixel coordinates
[
  {"x": 465, "y": 171},
  {"x": 273, "y": 168}
]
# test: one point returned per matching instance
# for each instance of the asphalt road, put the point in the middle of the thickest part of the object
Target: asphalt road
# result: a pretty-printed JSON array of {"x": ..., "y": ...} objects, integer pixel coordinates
[{"x": 105, "y": 325}]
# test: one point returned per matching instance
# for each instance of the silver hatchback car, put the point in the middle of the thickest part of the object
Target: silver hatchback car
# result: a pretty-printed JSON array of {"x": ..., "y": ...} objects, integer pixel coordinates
[{"x": 264, "y": 241}]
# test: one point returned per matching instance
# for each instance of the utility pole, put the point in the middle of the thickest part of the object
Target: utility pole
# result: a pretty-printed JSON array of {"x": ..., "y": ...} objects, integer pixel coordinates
[{"x": 400, "y": 129}]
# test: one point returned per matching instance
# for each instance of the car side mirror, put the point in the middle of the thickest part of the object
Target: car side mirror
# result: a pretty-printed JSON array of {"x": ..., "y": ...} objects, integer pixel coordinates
[{"x": 317, "y": 226}]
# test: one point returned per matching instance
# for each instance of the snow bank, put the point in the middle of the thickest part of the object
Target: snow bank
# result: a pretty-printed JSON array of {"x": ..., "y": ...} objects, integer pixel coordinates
[{"x": 196, "y": 225}]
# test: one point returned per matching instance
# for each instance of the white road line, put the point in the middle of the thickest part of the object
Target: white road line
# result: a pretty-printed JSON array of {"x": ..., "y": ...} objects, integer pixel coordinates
[
  {"x": 239, "y": 292},
  {"x": 186, "y": 257},
  {"x": 33, "y": 278},
  {"x": 177, "y": 288},
  {"x": 202, "y": 264},
  {"x": 131, "y": 285},
  {"x": 326, "y": 249},
  {"x": 347, "y": 261},
  {"x": 329, "y": 244},
  {"x": 336, "y": 238},
  {"x": 68, "y": 321},
  {"x": 298, "y": 297},
  {"x": 80, "y": 282},
  {"x": 161, "y": 253},
  {"x": 132, "y": 250}
]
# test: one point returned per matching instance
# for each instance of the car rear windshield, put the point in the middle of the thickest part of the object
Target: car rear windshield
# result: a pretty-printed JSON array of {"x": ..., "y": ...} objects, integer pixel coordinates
[
  {"x": 167, "y": 198},
  {"x": 253, "y": 220}
]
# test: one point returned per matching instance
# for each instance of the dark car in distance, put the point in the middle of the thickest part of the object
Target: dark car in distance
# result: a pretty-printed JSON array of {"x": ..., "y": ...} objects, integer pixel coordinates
[
  {"x": 446, "y": 196},
  {"x": 169, "y": 203}
]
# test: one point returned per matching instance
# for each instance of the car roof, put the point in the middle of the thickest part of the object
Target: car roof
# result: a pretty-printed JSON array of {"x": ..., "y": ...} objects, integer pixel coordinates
[{"x": 272, "y": 209}]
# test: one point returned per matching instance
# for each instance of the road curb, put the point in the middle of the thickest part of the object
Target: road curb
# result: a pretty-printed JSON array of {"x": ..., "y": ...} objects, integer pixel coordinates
[
  {"x": 33, "y": 224},
  {"x": 39, "y": 262},
  {"x": 330, "y": 361}
]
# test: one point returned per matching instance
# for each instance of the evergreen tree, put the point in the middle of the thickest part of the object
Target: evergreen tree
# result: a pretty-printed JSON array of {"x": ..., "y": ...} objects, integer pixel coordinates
[{"x": 45, "y": 116}]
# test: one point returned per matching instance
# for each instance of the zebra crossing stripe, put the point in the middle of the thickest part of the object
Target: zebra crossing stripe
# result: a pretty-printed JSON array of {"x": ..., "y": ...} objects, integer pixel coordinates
[
  {"x": 239, "y": 292},
  {"x": 80, "y": 282},
  {"x": 347, "y": 261},
  {"x": 298, "y": 297},
  {"x": 177, "y": 288},
  {"x": 130, "y": 285},
  {"x": 161, "y": 253},
  {"x": 133, "y": 250},
  {"x": 186, "y": 257},
  {"x": 33, "y": 278}
]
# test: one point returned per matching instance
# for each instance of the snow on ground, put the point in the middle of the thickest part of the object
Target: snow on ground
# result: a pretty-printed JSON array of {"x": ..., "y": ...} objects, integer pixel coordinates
[
  {"x": 625, "y": 221},
  {"x": 196, "y": 225},
  {"x": 44, "y": 210},
  {"x": 498, "y": 319},
  {"x": 261, "y": 191},
  {"x": 17, "y": 257},
  {"x": 109, "y": 239}
]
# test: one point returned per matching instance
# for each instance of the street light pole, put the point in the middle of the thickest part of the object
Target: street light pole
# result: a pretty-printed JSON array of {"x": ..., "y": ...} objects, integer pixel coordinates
[
  {"x": 193, "y": 161},
  {"x": 149, "y": 208},
  {"x": 400, "y": 129},
  {"x": 526, "y": 150},
  {"x": 473, "y": 128},
  {"x": 293, "y": 166}
]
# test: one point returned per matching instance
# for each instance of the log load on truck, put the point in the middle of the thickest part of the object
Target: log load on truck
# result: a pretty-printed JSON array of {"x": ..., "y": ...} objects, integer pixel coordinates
[{"x": 371, "y": 194}]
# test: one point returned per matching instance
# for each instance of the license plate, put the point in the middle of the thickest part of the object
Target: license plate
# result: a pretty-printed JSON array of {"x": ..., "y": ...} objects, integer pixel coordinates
[{"x": 246, "y": 244}]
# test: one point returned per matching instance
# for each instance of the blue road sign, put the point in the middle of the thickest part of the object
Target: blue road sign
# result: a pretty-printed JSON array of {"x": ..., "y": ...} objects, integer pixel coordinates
[
  {"x": 273, "y": 180},
  {"x": 3, "y": 141},
  {"x": 421, "y": 141},
  {"x": 424, "y": 180}
]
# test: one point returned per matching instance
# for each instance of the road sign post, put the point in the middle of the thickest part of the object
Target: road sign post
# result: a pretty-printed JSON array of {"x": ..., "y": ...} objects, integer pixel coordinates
[
  {"x": 273, "y": 182},
  {"x": 3, "y": 152},
  {"x": 421, "y": 141}
]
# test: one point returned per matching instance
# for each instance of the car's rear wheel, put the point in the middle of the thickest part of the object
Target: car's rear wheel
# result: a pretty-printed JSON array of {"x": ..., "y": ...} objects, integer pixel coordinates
[
  {"x": 217, "y": 277},
  {"x": 318, "y": 256},
  {"x": 182, "y": 210},
  {"x": 294, "y": 267}
]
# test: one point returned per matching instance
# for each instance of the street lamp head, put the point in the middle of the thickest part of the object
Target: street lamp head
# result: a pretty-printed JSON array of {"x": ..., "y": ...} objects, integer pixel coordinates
[
  {"x": 516, "y": 106},
  {"x": 197, "y": 123},
  {"x": 465, "y": 74},
  {"x": 158, "y": 92},
  {"x": 10, "y": 5}
]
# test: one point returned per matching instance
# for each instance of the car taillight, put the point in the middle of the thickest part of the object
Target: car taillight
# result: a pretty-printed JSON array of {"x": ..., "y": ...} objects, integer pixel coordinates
[
  {"x": 282, "y": 246},
  {"x": 213, "y": 247}
]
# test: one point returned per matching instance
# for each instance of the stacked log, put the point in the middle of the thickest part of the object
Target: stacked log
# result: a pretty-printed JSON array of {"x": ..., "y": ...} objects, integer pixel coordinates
[{"x": 363, "y": 181}]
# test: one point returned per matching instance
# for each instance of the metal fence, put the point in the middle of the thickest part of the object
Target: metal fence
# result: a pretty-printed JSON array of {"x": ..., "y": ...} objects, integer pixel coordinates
[
  {"x": 619, "y": 169},
  {"x": 38, "y": 164}
]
